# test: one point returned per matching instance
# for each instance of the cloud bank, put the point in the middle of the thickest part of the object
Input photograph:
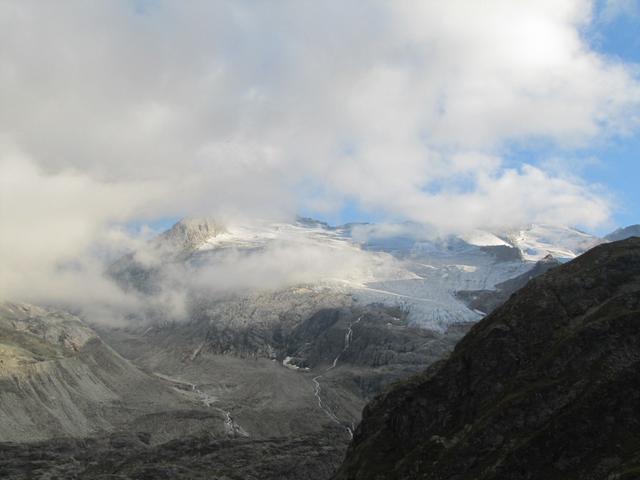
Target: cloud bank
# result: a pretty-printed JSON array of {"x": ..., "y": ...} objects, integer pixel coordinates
[{"x": 118, "y": 111}]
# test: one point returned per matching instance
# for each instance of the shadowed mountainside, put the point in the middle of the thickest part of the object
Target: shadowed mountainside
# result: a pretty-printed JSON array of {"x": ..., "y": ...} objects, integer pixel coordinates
[{"x": 548, "y": 386}]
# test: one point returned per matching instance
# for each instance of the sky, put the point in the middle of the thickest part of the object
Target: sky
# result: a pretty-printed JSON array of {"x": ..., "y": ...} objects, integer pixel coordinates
[
  {"x": 614, "y": 162},
  {"x": 617, "y": 35},
  {"x": 460, "y": 114}
]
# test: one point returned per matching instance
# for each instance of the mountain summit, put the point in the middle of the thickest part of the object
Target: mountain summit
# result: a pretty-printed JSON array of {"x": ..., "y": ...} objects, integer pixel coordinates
[
  {"x": 623, "y": 233},
  {"x": 190, "y": 233}
]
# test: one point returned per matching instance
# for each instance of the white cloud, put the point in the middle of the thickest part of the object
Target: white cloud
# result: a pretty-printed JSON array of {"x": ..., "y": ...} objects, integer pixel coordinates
[{"x": 112, "y": 112}]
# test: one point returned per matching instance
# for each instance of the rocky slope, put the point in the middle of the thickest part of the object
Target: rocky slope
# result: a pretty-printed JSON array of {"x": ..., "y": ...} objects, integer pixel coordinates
[
  {"x": 59, "y": 379},
  {"x": 197, "y": 401},
  {"x": 547, "y": 386},
  {"x": 292, "y": 377},
  {"x": 130, "y": 457}
]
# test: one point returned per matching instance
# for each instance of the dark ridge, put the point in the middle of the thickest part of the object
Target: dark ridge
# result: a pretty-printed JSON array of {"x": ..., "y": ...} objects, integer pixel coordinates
[
  {"x": 546, "y": 387},
  {"x": 503, "y": 253}
]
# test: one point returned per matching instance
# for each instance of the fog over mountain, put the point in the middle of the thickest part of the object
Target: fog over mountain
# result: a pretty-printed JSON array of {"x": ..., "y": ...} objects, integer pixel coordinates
[{"x": 126, "y": 111}]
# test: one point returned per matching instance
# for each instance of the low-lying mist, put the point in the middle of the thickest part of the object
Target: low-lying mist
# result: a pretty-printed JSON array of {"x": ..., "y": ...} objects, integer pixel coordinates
[{"x": 136, "y": 280}]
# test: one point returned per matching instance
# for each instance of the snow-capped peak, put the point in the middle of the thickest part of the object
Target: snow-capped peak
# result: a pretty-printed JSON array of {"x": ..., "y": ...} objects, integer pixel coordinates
[
  {"x": 539, "y": 240},
  {"x": 190, "y": 233},
  {"x": 481, "y": 238}
]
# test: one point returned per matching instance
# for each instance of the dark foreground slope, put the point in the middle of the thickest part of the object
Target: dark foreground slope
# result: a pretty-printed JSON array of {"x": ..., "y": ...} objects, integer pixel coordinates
[{"x": 547, "y": 387}]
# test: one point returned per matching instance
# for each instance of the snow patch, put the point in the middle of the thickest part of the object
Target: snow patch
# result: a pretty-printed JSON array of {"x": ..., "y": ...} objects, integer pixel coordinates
[{"x": 287, "y": 362}]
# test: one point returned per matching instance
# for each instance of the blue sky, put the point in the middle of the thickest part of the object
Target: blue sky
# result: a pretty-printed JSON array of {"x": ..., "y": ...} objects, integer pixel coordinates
[{"x": 619, "y": 167}]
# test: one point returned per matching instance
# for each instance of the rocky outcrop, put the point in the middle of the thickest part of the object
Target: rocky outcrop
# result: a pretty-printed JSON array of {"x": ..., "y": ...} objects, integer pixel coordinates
[
  {"x": 503, "y": 253},
  {"x": 548, "y": 386},
  {"x": 487, "y": 301},
  {"x": 143, "y": 269},
  {"x": 189, "y": 233},
  {"x": 370, "y": 337}
]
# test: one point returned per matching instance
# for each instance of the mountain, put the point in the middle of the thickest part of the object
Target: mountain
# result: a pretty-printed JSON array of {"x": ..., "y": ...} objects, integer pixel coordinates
[
  {"x": 292, "y": 293},
  {"x": 73, "y": 406},
  {"x": 59, "y": 379},
  {"x": 487, "y": 301},
  {"x": 623, "y": 233},
  {"x": 253, "y": 347},
  {"x": 536, "y": 241},
  {"x": 141, "y": 270},
  {"x": 406, "y": 265},
  {"x": 189, "y": 234},
  {"x": 547, "y": 386}
]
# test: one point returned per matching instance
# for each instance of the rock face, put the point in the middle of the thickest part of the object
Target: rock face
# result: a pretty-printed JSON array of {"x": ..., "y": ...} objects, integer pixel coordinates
[
  {"x": 190, "y": 233},
  {"x": 488, "y": 300},
  {"x": 547, "y": 386}
]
